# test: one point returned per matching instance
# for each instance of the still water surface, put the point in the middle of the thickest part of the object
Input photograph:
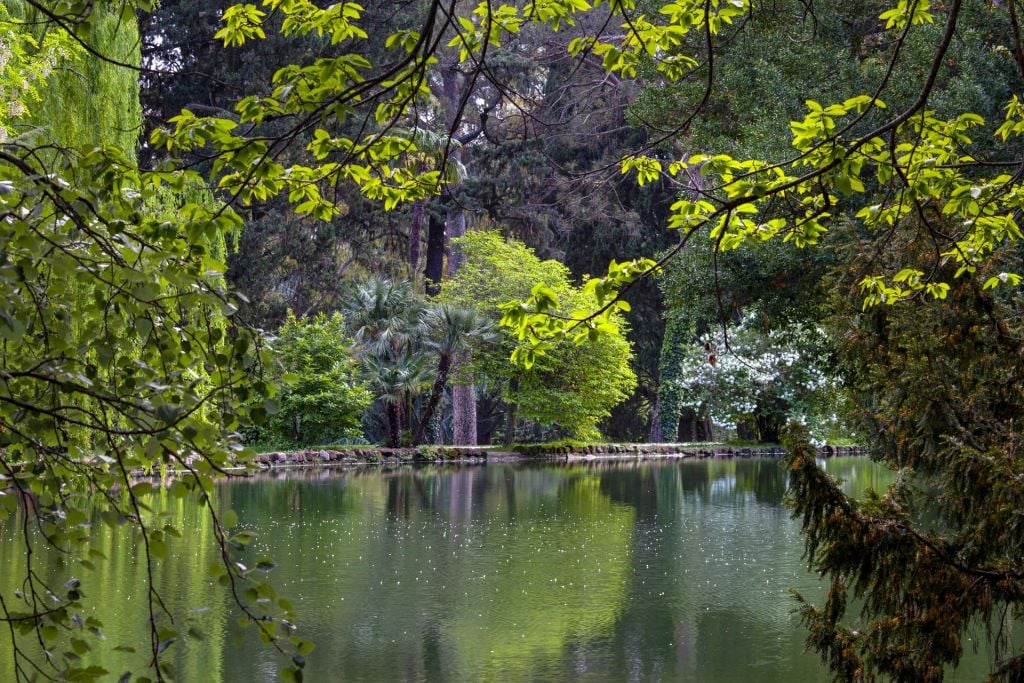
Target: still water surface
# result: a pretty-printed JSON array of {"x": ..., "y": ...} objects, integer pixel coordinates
[{"x": 611, "y": 571}]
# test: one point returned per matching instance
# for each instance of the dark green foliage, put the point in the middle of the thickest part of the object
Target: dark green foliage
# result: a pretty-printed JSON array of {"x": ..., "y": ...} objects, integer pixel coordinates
[
  {"x": 281, "y": 261},
  {"x": 940, "y": 391},
  {"x": 388, "y": 322},
  {"x": 322, "y": 398}
]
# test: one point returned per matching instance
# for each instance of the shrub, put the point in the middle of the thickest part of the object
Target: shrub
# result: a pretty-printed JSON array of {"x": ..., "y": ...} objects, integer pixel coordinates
[{"x": 322, "y": 399}]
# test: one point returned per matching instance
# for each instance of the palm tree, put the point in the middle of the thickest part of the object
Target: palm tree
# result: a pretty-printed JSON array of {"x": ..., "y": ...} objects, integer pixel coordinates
[
  {"x": 453, "y": 330},
  {"x": 393, "y": 380},
  {"x": 388, "y": 322},
  {"x": 384, "y": 316}
]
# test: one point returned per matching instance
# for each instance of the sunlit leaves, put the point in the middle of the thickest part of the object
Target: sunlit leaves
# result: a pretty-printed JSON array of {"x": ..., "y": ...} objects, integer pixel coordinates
[
  {"x": 903, "y": 285},
  {"x": 241, "y": 23},
  {"x": 121, "y": 357},
  {"x": 406, "y": 39},
  {"x": 647, "y": 169},
  {"x": 1013, "y": 125},
  {"x": 335, "y": 80},
  {"x": 916, "y": 11},
  {"x": 924, "y": 163},
  {"x": 535, "y": 321},
  {"x": 25, "y": 65},
  {"x": 1011, "y": 279},
  {"x": 751, "y": 200},
  {"x": 244, "y": 22},
  {"x": 489, "y": 23},
  {"x": 555, "y": 13}
]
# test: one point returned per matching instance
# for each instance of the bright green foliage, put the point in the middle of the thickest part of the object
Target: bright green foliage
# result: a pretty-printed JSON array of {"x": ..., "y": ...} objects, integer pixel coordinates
[
  {"x": 109, "y": 115},
  {"x": 323, "y": 398},
  {"x": 120, "y": 355},
  {"x": 25, "y": 67},
  {"x": 573, "y": 384}
]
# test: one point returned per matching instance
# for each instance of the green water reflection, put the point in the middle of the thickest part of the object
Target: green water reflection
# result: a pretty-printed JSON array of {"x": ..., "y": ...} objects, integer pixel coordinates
[{"x": 616, "y": 571}]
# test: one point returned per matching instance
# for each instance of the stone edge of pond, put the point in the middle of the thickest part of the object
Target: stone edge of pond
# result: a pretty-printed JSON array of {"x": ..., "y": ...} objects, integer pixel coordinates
[{"x": 541, "y": 452}]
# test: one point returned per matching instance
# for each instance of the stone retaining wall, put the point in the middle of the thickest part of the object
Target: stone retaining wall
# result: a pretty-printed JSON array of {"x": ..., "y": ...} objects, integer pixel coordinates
[
  {"x": 676, "y": 450},
  {"x": 370, "y": 454},
  {"x": 476, "y": 454}
]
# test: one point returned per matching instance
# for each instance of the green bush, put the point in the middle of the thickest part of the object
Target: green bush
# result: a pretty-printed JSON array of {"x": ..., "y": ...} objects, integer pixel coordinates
[{"x": 322, "y": 398}]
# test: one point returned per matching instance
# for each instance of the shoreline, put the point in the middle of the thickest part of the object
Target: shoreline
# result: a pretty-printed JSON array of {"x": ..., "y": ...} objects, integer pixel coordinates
[{"x": 475, "y": 455}]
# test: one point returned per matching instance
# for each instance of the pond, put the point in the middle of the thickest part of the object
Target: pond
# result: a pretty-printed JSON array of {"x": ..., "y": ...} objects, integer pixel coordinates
[{"x": 603, "y": 571}]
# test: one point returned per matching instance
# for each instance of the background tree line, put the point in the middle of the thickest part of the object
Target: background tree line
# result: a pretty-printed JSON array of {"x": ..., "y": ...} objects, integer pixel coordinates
[{"x": 845, "y": 245}]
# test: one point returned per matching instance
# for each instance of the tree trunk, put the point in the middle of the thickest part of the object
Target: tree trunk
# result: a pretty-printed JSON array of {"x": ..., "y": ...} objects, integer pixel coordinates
[
  {"x": 454, "y": 92},
  {"x": 464, "y": 407},
  {"x": 444, "y": 365},
  {"x": 464, "y": 415},
  {"x": 416, "y": 235},
  {"x": 434, "y": 267},
  {"x": 455, "y": 227},
  {"x": 678, "y": 334},
  {"x": 709, "y": 430},
  {"x": 655, "y": 435},
  {"x": 393, "y": 426},
  {"x": 511, "y": 412}
]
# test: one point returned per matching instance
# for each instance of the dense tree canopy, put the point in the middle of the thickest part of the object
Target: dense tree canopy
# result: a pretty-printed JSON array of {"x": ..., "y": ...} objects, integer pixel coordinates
[
  {"x": 572, "y": 386},
  {"x": 887, "y": 134},
  {"x": 120, "y": 353}
]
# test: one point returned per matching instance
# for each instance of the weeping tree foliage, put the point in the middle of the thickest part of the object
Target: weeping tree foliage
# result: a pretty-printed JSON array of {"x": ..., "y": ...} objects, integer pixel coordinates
[
  {"x": 119, "y": 352},
  {"x": 56, "y": 91}
]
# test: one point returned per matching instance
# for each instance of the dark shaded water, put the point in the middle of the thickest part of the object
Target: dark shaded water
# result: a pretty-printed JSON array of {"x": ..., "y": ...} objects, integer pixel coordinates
[{"x": 613, "y": 571}]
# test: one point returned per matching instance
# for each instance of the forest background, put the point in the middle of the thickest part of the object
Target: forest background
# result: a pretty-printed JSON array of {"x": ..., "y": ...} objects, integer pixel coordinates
[{"x": 842, "y": 252}]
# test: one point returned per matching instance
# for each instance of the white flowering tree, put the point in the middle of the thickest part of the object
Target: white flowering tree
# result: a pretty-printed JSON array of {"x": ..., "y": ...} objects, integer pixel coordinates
[{"x": 754, "y": 380}]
